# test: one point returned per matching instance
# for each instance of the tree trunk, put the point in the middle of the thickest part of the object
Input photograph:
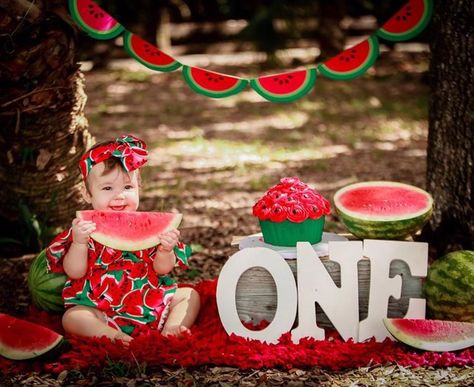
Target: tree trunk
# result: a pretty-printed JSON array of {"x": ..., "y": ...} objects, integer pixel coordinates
[
  {"x": 450, "y": 174},
  {"x": 43, "y": 131},
  {"x": 332, "y": 37}
]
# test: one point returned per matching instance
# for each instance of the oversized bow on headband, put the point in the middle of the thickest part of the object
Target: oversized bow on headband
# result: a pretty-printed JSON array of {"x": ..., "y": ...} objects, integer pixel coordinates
[{"x": 130, "y": 150}]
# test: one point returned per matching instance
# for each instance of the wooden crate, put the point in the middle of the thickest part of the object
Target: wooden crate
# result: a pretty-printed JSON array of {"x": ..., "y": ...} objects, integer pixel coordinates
[{"x": 256, "y": 291}]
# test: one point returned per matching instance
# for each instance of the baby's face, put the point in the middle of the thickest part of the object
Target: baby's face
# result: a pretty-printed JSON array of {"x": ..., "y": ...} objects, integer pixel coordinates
[{"x": 116, "y": 190}]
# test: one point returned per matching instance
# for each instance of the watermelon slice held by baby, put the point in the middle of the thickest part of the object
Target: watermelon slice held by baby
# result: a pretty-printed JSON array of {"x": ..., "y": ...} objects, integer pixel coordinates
[{"x": 130, "y": 230}]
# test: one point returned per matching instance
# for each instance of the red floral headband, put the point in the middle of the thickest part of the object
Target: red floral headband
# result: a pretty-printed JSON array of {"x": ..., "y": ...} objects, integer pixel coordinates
[{"x": 130, "y": 150}]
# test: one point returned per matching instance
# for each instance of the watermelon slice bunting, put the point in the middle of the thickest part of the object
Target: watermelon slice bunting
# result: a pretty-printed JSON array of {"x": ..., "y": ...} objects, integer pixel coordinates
[
  {"x": 285, "y": 87},
  {"x": 383, "y": 209},
  {"x": 130, "y": 230},
  {"x": 353, "y": 62},
  {"x": 212, "y": 84},
  {"x": 94, "y": 20},
  {"x": 148, "y": 54},
  {"x": 432, "y": 335},
  {"x": 408, "y": 22},
  {"x": 21, "y": 339}
]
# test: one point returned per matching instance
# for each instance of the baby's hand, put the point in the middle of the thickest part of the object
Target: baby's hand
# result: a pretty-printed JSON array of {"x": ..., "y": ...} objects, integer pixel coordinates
[
  {"x": 168, "y": 240},
  {"x": 81, "y": 229}
]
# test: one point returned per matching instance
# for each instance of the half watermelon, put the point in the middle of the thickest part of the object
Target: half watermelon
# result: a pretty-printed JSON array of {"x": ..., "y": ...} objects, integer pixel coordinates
[
  {"x": 130, "y": 230},
  {"x": 408, "y": 22},
  {"x": 212, "y": 84},
  {"x": 21, "y": 339},
  {"x": 285, "y": 87},
  {"x": 148, "y": 54},
  {"x": 352, "y": 62},
  {"x": 431, "y": 335},
  {"x": 94, "y": 20},
  {"x": 383, "y": 209}
]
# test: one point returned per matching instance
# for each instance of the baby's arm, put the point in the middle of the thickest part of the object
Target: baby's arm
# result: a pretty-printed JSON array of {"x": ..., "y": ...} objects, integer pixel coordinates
[
  {"x": 75, "y": 261},
  {"x": 165, "y": 259}
]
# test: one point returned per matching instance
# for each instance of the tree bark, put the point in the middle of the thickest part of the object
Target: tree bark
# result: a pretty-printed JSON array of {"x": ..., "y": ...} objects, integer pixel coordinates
[
  {"x": 43, "y": 131},
  {"x": 450, "y": 176}
]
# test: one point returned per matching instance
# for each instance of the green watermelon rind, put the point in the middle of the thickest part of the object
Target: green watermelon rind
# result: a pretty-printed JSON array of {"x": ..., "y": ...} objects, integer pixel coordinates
[
  {"x": 237, "y": 88},
  {"x": 450, "y": 336},
  {"x": 45, "y": 288},
  {"x": 420, "y": 26},
  {"x": 358, "y": 71},
  {"x": 304, "y": 89},
  {"x": 127, "y": 36},
  {"x": 396, "y": 227},
  {"x": 449, "y": 287},
  {"x": 97, "y": 34}
]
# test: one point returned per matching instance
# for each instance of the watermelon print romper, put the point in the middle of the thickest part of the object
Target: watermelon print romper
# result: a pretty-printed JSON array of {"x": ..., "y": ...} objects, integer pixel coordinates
[{"x": 122, "y": 284}]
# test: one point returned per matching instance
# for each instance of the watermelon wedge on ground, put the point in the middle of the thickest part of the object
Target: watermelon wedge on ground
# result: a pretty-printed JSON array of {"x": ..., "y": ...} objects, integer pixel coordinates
[
  {"x": 94, "y": 20},
  {"x": 212, "y": 84},
  {"x": 408, "y": 22},
  {"x": 383, "y": 209},
  {"x": 353, "y": 62},
  {"x": 45, "y": 288},
  {"x": 148, "y": 54},
  {"x": 285, "y": 87},
  {"x": 21, "y": 339},
  {"x": 431, "y": 335},
  {"x": 130, "y": 230}
]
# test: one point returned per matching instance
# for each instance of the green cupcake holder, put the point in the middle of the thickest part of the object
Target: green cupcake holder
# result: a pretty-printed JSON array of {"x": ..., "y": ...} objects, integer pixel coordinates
[{"x": 287, "y": 233}]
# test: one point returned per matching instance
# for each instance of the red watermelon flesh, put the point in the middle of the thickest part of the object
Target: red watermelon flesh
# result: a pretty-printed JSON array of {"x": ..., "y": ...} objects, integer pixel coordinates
[
  {"x": 94, "y": 20},
  {"x": 21, "y": 339},
  {"x": 212, "y": 84},
  {"x": 130, "y": 230},
  {"x": 285, "y": 87},
  {"x": 409, "y": 21},
  {"x": 432, "y": 335},
  {"x": 384, "y": 200},
  {"x": 148, "y": 54},
  {"x": 352, "y": 62}
]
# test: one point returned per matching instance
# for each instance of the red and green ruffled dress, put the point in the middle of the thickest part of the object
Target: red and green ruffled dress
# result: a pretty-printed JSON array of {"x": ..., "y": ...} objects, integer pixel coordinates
[{"x": 122, "y": 284}]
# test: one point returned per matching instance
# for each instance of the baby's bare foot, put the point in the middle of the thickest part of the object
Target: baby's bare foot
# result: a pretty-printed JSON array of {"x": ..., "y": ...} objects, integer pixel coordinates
[
  {"x": 178, "y": 330},
  {"x": 126, "y": 339}
]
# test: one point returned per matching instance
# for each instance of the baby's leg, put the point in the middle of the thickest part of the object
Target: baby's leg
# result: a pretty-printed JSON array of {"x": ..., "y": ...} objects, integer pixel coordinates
[
  {"x": 184, "y": 309},
  {"x": 85, "y": 321}
]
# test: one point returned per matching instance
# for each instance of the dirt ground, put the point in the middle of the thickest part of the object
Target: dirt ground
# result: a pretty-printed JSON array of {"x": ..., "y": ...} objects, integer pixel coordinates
[{"x": 213, "y": 159}]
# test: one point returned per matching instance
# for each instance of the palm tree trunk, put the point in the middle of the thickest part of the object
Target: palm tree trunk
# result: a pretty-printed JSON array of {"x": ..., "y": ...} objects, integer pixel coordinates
[{"x": 43, "y": 131}]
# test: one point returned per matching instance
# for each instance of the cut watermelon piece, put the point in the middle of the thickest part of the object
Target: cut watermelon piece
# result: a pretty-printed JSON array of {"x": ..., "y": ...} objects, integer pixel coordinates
[
  {"x": 285, "y": 87},
  {"x": 383, "y": 209},
  {"x": 45, "y": 288},
  {"x": 94, "y": 20},
  {"x": 148, "y": 54},
  {"x": 352, "y": 62},
  {"x": 21, "y": 340},
  {"x": 408, "y": 22},
  {"x": 211, "y": 84},
  {"x": 130, "y": 230},
  {"x": 431, "y": 335}
]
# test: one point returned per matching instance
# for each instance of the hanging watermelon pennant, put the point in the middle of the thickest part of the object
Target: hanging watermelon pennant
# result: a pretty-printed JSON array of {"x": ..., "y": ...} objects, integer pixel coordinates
[
  {"x": 211, "y": 84},
  {"x": 408, "y": 22},
  {"x": 352, "y": 62},
  {"x": 285, "y": 87},
  {"x": 94, "y": 20},
  {"x": 148, "y": 54}
]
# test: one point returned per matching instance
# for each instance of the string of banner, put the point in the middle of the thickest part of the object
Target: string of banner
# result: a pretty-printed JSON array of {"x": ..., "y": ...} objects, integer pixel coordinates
[{"x": 289, "y": 86}]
